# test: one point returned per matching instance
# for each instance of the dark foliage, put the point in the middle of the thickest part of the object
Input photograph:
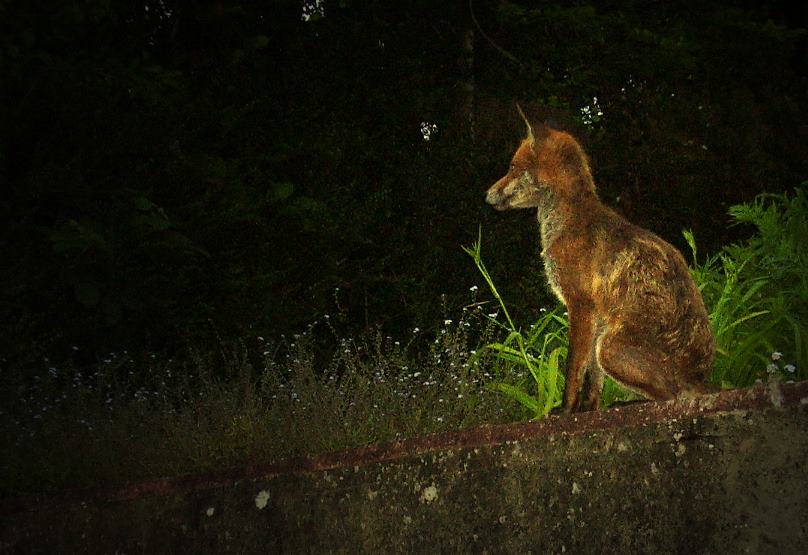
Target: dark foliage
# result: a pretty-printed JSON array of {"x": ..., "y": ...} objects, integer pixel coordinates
[{"x": 175, "y": 169}]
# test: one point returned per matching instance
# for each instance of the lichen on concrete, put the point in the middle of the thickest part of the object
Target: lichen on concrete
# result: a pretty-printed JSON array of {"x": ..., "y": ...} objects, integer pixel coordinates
[{"x": 706, "y": 480}]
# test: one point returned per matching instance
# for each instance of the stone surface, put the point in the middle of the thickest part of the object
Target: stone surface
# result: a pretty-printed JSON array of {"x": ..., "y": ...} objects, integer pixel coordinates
[{"x": 719, "y": 474}]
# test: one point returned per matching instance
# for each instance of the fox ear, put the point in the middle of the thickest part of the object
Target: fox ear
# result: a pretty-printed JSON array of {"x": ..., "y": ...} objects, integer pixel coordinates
[{"x": 530, "y": 136}]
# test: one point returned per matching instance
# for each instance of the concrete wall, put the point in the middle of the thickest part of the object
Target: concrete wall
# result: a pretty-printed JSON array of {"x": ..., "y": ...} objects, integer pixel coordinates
[{"x": 721, "y": 474}]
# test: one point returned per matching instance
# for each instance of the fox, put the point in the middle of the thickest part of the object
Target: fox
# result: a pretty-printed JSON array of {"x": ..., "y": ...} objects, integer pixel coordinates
[{"x": 635, "y": 313}]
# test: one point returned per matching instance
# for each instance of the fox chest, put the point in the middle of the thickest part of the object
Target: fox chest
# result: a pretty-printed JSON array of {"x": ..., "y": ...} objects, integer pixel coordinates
[
  {"x": 551, "y": 227},
  {"x": 551, "y": 271},
  {"x": 572, "y": 266}
]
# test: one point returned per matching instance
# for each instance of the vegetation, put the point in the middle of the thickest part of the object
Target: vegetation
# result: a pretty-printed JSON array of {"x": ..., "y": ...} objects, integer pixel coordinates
[
  {"x": 758, "y": 293},
  {"x": 123, "y": 421},
  {"x": 188, "y": 184},
  {"x": 178, "y": 170}
]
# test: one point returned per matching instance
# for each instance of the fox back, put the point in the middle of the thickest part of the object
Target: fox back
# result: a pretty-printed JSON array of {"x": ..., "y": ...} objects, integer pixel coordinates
[{"x": 634, "y": 311}]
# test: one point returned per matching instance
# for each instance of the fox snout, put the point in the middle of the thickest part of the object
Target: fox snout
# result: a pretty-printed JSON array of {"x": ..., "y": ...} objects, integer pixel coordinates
[
  {"x": 496, "y": 197},
  {"x": 514, "y": 191}
]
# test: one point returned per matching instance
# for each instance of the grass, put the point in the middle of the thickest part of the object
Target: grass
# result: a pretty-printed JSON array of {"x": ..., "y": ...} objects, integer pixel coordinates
[
  {"x": 756, "y": 293},
  {"x": 64, "y": 427},
  {"x": 541, "y": 351},
  {"x": 123, "y": 421}
]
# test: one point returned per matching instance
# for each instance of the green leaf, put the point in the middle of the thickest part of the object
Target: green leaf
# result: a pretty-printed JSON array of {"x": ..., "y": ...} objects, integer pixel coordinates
[
  {"x": 517, "y": 394},
  {"x": 144, "y": 204},
  {"x": 73, "y": 235},
  {"x": 280, "y": 191}
]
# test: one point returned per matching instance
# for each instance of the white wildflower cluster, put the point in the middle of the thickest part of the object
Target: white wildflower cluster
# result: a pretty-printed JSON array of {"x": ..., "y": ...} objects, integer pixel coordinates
[
  {"x": 428, "y": 129},
  {"x": 443, "y": 383},
  {"x": 633, "y": 85},
  {"x": 629, "y": 84},
  {"x": 775, "y": 367},
  {"x": 591, "y": 113},
  {"x": 381, "y": 375},
  {"x": 313, "y": 9},
  {"x": 159, "y": 9},
  {"x": 113, "y": 382}
]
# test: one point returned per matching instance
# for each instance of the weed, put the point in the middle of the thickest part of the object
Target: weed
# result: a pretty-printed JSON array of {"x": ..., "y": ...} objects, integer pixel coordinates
[
  {"x": 541, "y": 352},
  {"x": 756, "y": 293},
  {"x": 123, "y": 420}
]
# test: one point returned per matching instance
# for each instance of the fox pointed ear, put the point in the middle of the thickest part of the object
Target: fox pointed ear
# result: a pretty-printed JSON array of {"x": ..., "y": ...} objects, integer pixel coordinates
[{"x": 530, "y": 136}]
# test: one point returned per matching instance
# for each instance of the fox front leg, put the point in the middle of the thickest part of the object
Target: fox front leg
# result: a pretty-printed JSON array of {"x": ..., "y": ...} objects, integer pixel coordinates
[{"x": 582, "y": 335}]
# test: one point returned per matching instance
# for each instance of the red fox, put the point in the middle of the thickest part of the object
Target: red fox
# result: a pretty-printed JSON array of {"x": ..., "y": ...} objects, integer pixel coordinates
[{"x": 634, "y": 311}]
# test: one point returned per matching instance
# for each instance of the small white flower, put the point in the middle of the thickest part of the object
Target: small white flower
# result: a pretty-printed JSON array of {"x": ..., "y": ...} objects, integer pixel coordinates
[
  {"x": 416, "y": 330},
  {"x": 428, "y": 129},
  {"x": 261, "y": 499},
  {"x": 473, "y": 288},
  {"x": 777, "y": 355},
  {"x": 772, "y": 368},
  {"x": 312, "y": 9},
  {"x": 789, "y": 368},
  {"x": 447, "y": 322},
  {"x": 210, "y": 511}
]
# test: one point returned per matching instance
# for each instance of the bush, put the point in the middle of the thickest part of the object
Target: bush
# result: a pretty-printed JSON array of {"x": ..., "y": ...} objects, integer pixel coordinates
[{"x": 757, "y": 292}]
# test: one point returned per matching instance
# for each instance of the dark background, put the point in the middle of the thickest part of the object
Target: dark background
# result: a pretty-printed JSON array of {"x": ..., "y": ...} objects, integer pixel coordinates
[{"x": 176, "y": 173}]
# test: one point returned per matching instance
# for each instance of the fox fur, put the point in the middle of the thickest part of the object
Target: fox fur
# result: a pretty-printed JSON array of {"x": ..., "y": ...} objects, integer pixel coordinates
[{"x": 635, "y": 313}]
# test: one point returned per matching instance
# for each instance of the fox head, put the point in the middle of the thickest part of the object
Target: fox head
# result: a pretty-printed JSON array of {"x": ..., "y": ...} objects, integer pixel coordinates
[{"x": 548, "y": 166}]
